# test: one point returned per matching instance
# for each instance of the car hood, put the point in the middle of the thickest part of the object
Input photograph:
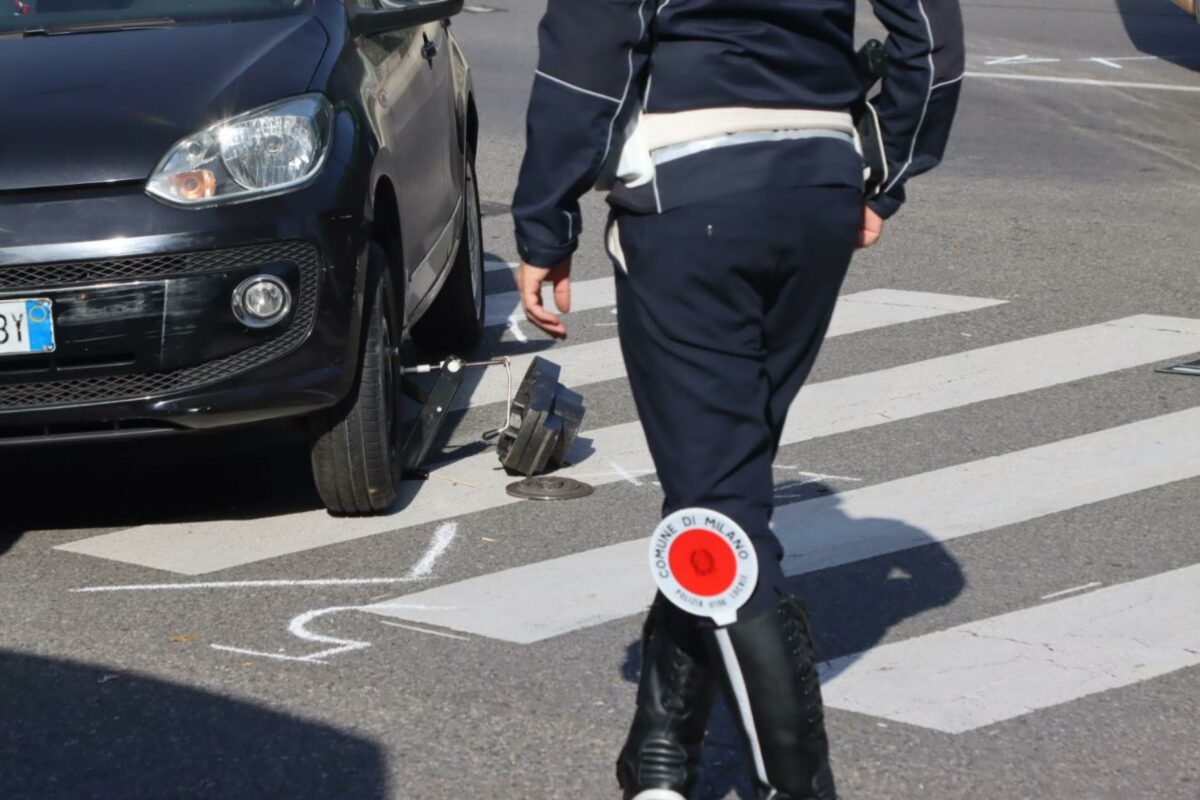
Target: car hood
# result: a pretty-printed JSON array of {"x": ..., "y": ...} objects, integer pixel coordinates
[{"x": 91, "y": 108}]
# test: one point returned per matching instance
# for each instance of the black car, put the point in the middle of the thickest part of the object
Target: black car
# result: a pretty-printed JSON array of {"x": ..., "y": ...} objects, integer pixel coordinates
[{"x": 224, "y": 212}]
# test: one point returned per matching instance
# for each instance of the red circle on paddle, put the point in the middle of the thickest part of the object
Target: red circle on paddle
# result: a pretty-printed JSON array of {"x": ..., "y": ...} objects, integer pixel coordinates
[{"x": 703, "y": 562}]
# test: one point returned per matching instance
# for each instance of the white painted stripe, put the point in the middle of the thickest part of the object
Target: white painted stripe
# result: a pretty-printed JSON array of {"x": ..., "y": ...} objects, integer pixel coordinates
[
  {"x": 430, "y": 631},
  {"x": 1166, "y": 87},
  {"x": 916, "y": 134},
  {"x": 1072, "y": 590},
  {"x": 497, "y": 266},
  {"x": 1022, "y": 59},
  {"x": 861, "y": 401},
  {"x": 537, "y": 601},
  {"x": 585, "y": 296},
  {"x": 594, "y": 362},
  {"x": 579, "y": 89},
  {"x": 269, "y": 584},
  {"x": 1004, "y": 667}
]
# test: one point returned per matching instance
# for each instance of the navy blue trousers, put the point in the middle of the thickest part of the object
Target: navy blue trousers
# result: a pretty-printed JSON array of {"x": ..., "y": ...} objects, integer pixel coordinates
[{"x": 722, "y": 307}]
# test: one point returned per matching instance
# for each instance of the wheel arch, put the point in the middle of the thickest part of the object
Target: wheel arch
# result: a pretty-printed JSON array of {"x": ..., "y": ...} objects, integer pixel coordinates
[{"x": 387, "y": 231}]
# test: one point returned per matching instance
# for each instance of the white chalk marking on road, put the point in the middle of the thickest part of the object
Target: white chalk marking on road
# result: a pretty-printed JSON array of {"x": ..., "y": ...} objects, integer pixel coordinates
[
  {"x": 492, "y": 265},
  {"x": 263, "y": 654},
  {"x": 299, "y": 628},
  {"x": 1108, "y": 62},
  {"x": 1017, "y": 60},
  {"x": 425, "y": 630},
  {"x": 857, "y": 402},
  {"x": 1072, "y": 590},
  {"x": 443, "y": 537},
  {"x": 423, "y": 568},
  {"x": 514, "y": 327},
  {"x": 610, "y": 475},
  {"x": 625, "y": 474},
  {"x": 537, "y": 601},
  {"x": 1165, "y": 87},
  {"x": 265, "y": 584},
  {"x": 997, "y": 669},
  {"x": 601, "y": 360},
  {"x": 504, "y": 307},
  {"x": 819, "y": 476}
]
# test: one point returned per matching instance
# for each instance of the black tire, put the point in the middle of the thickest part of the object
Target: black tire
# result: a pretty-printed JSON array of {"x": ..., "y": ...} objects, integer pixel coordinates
[
  {"x": 356, "y": 446},
  {"x": 453, "y": 324}
]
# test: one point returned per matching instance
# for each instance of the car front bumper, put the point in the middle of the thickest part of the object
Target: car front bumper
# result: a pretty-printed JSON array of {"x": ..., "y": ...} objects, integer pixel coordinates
[{"x": 146, "y": 337}]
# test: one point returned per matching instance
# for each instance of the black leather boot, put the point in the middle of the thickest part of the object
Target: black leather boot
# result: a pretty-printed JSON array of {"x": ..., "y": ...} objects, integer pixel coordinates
[
  {"x": 773, "y": 688},
  {"x": 661, "y": 757}
]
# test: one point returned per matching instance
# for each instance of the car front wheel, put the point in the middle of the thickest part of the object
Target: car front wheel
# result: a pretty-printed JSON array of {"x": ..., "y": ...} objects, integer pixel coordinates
[{"x": 356, "y": 446}]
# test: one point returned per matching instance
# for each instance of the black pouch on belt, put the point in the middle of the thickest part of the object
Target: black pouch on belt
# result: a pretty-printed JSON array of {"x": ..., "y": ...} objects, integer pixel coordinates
[{"x": 872, "y": 67}]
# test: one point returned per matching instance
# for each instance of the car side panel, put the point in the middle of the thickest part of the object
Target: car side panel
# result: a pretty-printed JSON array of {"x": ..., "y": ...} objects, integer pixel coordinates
[{"x": 418, "y": 143}]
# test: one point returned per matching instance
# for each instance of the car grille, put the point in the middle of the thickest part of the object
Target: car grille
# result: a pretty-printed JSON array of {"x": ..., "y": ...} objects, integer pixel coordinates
[{"x": 105, "y": 388}]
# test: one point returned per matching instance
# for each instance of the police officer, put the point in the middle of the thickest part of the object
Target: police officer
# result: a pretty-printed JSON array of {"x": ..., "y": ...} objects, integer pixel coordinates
[{"x": 733, "y": 134}]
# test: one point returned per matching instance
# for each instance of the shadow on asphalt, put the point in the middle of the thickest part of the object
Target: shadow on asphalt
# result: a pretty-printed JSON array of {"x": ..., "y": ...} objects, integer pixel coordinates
[
  {"x": 247, "y": 474},
  {"x": 851, "y": 607},
  {"x": 1161, "y": 29},
  {"x": 72, "y": 730},
  {"x": 251, "y": 473}
]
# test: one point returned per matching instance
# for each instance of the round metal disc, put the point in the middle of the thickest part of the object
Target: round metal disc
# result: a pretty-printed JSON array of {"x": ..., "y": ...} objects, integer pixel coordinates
[{"x": 548, "y": 487}]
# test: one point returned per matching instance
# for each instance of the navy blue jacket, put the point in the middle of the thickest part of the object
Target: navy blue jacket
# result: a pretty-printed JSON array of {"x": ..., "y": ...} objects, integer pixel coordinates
[{"x": 597, "y": 58}]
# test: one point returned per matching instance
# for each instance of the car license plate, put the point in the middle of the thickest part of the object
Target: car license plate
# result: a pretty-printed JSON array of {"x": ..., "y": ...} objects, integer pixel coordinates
[{"x": 26, "y": 326}]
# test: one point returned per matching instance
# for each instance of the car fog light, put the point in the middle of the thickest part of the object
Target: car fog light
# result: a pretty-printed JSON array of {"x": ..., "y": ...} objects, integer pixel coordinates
[{"x": 261, "y": 301}]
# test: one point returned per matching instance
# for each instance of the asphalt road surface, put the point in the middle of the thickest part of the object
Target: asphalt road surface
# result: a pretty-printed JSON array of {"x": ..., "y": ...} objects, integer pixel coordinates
[{"x": 989, "y": 496}]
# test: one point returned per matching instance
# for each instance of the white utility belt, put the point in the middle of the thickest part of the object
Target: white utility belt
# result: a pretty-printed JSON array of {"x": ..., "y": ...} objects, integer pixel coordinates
[{"x": 653, "y": 139}]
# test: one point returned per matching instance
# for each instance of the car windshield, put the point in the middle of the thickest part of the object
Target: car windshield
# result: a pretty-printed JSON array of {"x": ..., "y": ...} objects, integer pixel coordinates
[{"x": 64, "y": 15}]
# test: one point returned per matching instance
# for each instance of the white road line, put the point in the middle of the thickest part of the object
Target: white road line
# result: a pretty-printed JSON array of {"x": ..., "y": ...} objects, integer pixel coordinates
[
  {"x": 1166, "y": 87},
  {"x": 1072, "y": 590},
  {"x": 442, "y": 538},
  {"x": 491, "y": 265},
  {"x": 276, "y": 584},
  {"x": 1007, "y": 666},
  {"x": 1018, "y": 60},
  {"x": 585, "y": 296},
  {"x": 598, "y": 361},
  {"x": 1107, "y": 62},
  {"x": 476, "y": 483},
  {"x": 430, "y": 631},
  {"x": 537, "y": 601},
  {"x": 818, "y": 476}
]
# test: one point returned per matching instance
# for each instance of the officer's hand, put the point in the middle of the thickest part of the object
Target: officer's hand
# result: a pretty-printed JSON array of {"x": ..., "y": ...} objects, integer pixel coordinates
[
  {"x": 872, "y": 228},
  {"x": 529, "y": 285}
]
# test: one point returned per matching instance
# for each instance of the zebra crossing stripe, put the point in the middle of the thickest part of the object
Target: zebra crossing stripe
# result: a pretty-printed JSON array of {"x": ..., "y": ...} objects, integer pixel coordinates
[
  {"x": 585, "y": 296},
  {"x": 594, "y": 362},
  {"x": 853, "y": 403},
  {"x": 1007, "y": 666},
  {"x": 537, "y": 601}
]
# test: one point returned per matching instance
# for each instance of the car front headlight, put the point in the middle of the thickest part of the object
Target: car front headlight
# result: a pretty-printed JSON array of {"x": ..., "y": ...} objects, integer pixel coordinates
[{"x": 265, "y": 151}]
